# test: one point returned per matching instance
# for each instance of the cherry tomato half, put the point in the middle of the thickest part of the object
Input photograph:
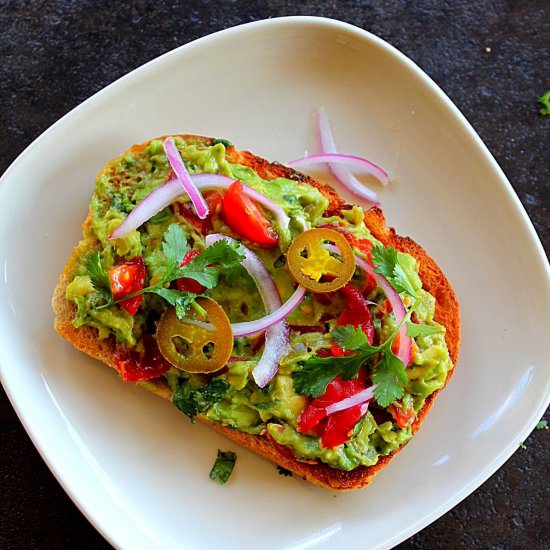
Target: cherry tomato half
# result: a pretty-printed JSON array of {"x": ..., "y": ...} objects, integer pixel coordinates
[
  {"x": 127, "y": 278},
  {"x": 243, "y": 216},
  {"x": 191, "y": 347},
  {"x": 314, "y": 267}
]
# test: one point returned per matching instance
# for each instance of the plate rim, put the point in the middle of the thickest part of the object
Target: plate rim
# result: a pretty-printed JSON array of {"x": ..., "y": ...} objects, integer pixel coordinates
[{"x": 112, "y": 535}]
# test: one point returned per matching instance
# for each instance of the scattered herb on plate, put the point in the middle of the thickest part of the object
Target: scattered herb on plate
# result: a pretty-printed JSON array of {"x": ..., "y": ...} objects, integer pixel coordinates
[{"x": 223, "y": 466}]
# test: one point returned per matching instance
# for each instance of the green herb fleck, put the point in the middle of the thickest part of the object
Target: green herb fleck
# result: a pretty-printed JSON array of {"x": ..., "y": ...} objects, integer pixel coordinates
[
  {"x": 544, "y": 100},
  {"x": 181, "y": 300},
  {"x": 223, "y": 466},
  {"x": 542, "y": 425},
  {"x": 226, "y": 143}
]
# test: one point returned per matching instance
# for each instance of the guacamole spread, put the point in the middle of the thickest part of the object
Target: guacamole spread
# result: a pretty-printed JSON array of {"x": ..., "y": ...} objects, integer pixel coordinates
[{"x": 351, "y": 333}]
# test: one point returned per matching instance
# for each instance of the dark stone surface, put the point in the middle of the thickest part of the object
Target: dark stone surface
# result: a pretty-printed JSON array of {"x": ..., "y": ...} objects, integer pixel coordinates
[{"x": 491, "y": 57}]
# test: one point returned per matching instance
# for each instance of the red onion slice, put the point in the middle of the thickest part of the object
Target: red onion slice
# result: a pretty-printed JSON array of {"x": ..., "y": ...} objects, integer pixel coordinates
[
  {"x": 152, "y": 204},
  {"x": 246, "y": 328},
  {"x": 174, "y": 158},
  {"x": 276, "y": 336},
  {"x": 399, "y": 310},
  {"x": 366, "y": 166},
  {"x": 342, "y": 174},
  {"x": 211, "y": 181},
  {"x": 363, "y": 396}
]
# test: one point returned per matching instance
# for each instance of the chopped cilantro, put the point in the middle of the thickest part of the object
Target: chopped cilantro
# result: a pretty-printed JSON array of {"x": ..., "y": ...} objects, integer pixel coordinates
[
  {"x": 174, "y": 247},
  {"x": 387, "y": 264},
  {"x": 98, "y": 276},
  {"x": 223, "y": 466},
  {"x": 204, "y": 268},
  {"x": 181, "y": 300},
  {"x": 522, "y": 445},
  {"x": 224, "y": 142},
  {"x": 194, "y": 401},
  {"x": 389, "y": 372},
  {"x": 544, "y": 100},
  {"x": 318, "y": 372},
  {"x": 390, "y": 379},
  {"x": 542, "y": 425}
]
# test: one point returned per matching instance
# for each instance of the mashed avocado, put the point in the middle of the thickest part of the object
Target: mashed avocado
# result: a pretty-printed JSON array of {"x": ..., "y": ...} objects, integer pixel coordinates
[{"x": 241, "y": 405}]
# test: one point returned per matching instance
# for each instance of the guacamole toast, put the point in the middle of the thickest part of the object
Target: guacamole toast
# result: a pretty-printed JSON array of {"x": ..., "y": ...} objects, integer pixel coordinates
[{"x": 354, "y": 378}]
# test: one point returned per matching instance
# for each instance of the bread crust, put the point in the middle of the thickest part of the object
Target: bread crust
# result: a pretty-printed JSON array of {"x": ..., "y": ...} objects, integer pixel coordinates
[{"x": 434, "y": 281}]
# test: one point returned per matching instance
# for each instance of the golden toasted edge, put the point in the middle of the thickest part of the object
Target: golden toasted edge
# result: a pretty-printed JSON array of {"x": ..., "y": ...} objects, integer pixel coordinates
[{"x": 434, "y": 281}]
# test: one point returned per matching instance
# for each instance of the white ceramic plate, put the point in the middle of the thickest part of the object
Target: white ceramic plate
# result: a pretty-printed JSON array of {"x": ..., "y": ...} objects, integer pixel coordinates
[{"x": 132, "y": 463}]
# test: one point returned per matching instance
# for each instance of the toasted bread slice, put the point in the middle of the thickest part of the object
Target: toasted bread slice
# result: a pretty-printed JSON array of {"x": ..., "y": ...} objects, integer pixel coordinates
[{"x": 434, "y": 281}]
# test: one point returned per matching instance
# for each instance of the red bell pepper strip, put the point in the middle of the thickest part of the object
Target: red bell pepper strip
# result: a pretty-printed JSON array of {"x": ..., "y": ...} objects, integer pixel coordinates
[
  {"x": 403, "y": 416},
  {"x": 338, "y": 427},
  {"x": 357, "y": 314},
  {"x": 127, "y": 278},
  {"x": 363, "y": 245},
  {"x": 136, "y": 367},
  {"x": 245, "y": 218}
]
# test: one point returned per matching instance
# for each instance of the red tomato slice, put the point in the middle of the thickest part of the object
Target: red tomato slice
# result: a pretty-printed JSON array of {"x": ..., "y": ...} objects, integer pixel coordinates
[
  {"x": 185, "y": 283},
  {"x": 127, "y": 278},
  {"x": 243, "y": 216},
  {"x": 135, "y": 367}
]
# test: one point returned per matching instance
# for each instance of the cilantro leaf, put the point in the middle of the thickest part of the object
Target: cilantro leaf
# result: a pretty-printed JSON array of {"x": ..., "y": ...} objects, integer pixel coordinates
[
  {"x": 386, "y": 262},
  {"x": 223, "y": 466},
  {"x": 414, "y": 329},
  {"x": 390, "y": 378},
  {"x": 174, "y": 247},
  {"x": 194, "y": 401},
  {"x": 384, "y": 259},
  {"x": 317, "y": 372},
  {"x": 542, "y": 425},
  {"x": 181, "y": 300},
  {"x": 205, "y": 268},
  {"x": 545, "y": 101},
  {"x": 98, "y": 276},
  {"x": 350, "y": 337}
]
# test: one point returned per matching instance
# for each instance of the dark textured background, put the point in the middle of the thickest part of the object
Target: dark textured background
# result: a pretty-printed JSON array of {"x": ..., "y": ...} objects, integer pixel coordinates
[{"x": 491, "y": 58}]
